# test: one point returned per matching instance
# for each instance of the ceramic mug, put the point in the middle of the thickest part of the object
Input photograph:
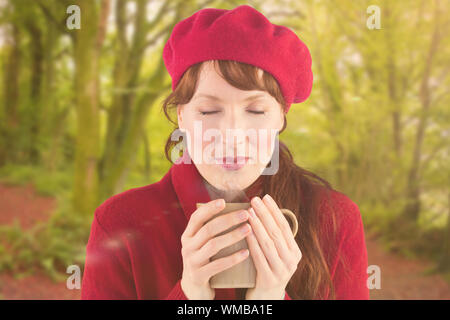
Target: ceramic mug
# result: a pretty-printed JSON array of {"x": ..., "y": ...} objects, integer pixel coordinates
[{"x": 242, "y": 275}]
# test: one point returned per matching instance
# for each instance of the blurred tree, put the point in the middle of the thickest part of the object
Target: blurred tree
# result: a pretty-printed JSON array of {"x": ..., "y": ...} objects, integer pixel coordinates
[
  {"x": 53, "y": 115},
  {"x": 30, "y": 131},
  {"x": 412, "y": 208},
  {"x": 88, "y": 42},
  {"x": 11, "y": 67},
  {"x": 33, "y": 25},
  {"x": 128, "y": 111}
]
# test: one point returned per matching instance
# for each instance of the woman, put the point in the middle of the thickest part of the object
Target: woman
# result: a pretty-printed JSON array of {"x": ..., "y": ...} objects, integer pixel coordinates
[{"x": 231, "y": 70}]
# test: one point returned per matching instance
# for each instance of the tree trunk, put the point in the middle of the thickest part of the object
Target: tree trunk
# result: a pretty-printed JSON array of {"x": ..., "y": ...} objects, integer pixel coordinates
[
  {"x": 88, "y": 42},
  {"x": 37, "y": 60},
  {"x": 52, "y": 124},
  {"x": 128, "y": 112},
  {"x": 10, "y": 128},
  {"x": 412, "y": 207}
]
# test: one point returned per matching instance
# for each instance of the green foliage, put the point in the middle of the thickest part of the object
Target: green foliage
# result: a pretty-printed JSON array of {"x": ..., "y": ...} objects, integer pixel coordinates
[
  {"x": 398, "y": 235},
  {"x": 48, "y": 247},
  {"x": 46, "y": 183}
]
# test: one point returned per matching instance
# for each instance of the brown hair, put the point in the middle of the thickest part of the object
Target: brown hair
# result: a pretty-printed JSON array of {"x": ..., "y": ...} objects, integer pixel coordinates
[{"x": 291, "y": 187}]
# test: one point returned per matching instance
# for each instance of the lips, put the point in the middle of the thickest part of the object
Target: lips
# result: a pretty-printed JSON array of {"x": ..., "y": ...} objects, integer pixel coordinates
[{"x": 232, "y": 163}]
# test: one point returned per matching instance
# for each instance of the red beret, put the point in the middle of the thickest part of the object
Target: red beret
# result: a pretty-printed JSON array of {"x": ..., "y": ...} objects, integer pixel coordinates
[{"x": 245, "y": 35}]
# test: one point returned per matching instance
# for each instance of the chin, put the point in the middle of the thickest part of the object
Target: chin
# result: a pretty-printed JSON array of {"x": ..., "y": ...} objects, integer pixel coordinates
[{"x": 243, "y": 177}]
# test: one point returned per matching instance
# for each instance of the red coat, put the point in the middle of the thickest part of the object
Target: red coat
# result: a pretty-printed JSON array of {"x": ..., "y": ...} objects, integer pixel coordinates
[{"x": 134, "y": 248}]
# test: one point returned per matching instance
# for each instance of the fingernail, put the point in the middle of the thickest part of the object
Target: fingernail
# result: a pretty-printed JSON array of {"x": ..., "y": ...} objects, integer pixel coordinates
[
  {"x": 219, "y": 203},
  {"x": 244, "y": 252},
  {"x": 256, "y": 201}
]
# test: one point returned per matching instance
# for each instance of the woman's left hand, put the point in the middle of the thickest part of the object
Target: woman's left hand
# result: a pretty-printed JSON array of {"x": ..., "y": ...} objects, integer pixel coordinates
[{"x": 273, "y": 248}]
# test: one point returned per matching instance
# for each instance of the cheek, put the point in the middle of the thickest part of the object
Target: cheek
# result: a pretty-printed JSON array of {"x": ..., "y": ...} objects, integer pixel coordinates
[
  {"x": 264, "y": 145},
  {"x": 202, "y": 144}
]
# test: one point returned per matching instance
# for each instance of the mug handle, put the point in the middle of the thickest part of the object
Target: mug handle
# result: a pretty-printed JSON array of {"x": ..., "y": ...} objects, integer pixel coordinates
[{"x": 293, "y": 219}]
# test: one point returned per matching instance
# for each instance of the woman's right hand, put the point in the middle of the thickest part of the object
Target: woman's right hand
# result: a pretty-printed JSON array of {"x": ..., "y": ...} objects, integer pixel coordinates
[{"x": 199, "y": 244}]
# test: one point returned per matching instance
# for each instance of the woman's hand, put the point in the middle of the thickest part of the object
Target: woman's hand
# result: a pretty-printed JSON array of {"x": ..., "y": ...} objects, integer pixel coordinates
[
  {"x": 274, "y": 250},
  {"x": 199, "y": 243}
]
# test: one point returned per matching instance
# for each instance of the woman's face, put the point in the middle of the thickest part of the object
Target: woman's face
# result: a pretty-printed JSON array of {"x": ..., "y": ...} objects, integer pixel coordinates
[{"x": 230, "y": 132}]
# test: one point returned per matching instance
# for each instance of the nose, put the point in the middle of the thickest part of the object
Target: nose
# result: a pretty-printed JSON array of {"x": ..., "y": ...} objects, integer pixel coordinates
[
  {"x": 232, "y": 119},
  {"x": 232, "y": 129}
]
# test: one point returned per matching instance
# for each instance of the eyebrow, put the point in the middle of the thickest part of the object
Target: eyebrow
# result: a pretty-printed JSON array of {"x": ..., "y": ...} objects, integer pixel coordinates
[{"x": 215, "y": 98}]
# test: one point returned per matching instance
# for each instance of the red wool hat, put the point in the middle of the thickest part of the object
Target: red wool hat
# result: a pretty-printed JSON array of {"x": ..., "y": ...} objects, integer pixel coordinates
[{"x": 245, "y": 35}]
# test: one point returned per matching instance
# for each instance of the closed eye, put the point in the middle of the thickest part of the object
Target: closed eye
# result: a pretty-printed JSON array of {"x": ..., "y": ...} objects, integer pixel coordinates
[
  {"x": 256, "y": 112},
  {"x": 214, "y": 112},
  {"x": 208, "y": 112}
]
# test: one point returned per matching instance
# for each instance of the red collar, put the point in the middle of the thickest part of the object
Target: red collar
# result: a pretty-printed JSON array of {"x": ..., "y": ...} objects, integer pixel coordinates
[{"x": 190, "y": 186}]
